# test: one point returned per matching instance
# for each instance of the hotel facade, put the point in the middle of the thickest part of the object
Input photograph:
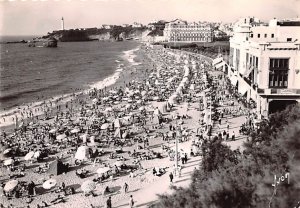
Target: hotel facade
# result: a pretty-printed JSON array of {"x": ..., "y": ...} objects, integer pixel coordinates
[
  {"x": 264, "y": 63},
  {"x": 181, "y": 31}
]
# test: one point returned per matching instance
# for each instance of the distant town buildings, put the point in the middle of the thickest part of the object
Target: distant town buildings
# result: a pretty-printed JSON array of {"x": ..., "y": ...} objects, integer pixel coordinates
[
  {"x": 264, "y": 63},
  {"x": 106, "y": 27},
  {"x": 135, "y": 24},
  {"x": 181, "y": 31}
]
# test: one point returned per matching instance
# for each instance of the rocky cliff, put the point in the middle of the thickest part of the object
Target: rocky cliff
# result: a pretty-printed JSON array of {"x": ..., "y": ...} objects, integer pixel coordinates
[{"x": 89, "y": 34}]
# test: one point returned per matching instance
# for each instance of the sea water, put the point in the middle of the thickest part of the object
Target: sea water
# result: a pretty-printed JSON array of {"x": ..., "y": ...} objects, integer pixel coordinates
[{"x": 29, "y": 75}]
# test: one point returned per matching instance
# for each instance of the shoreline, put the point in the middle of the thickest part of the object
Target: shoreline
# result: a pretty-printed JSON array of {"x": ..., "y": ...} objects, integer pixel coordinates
[
  {"x": 127, "y": 61},
  {"x": 153, "y": 67}
]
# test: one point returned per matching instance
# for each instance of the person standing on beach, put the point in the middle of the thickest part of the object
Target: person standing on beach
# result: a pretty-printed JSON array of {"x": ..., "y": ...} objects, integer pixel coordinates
[
  {"x": 126, "y": 187},
  {"x": 131, "y": 202},
  {"x": 171, "y": 177},
  {"x": 108, "y": 203}
]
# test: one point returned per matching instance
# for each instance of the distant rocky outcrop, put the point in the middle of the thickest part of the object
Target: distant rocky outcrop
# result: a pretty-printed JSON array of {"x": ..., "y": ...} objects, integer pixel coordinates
[
  {"x": 116, "y": 33},
  {"x": 43, "y": 42}
]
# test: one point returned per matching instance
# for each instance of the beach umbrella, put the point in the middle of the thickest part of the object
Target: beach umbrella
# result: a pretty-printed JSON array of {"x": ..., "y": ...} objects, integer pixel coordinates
[
  {"x": 143, "y": 93},
  {"x": 10, "y": 185},
  {"x": 113, "y": 92},
  {"x": 104, "y": 126},
  {"x": 119, "y": 163},
  {"x": 74, "y": 131},
  {"x": 8, "y": 162},
  {"x": 7, "y": 151},
  {"x": 88, "y": 186},
  {"x": 108, "y": 109},
  {"x": 61, "y": 136},
  {"x": 142, "y": 108},
  {"x": 29, "y": 155},
  {"x": 82, "y": 153},
  {"x": 103, "y": 170},
  {"x": 52, "y": 131},
  {"x": 37, "y": 154},
  {"x": 49, "y": 184},
  {"x": 95, "y": 100},
  {"x": 105, "y": 98},
  {"x": 127, "y": 106}
]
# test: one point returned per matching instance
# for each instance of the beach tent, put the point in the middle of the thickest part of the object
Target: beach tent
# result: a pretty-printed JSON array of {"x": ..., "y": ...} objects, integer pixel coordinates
[
  {"x": 118, "y": 133},
  {"x": 57, "y": 167},
  {"x": 82, "y": 153}
]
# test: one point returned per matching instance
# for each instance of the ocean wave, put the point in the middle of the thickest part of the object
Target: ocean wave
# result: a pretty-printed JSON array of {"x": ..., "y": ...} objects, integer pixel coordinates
[
  {"x": 108, "y": 81},
  {"x": 129, "y": 56}
]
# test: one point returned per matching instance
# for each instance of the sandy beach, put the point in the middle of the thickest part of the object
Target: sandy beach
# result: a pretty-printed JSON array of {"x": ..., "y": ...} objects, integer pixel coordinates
[{"x": 127, "y": 126}]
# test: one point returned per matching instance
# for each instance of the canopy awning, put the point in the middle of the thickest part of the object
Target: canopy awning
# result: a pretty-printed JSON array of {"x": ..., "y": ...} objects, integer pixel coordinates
[
  {"x": 219, "y": 65},
  {"x": 217, "y": 60}
]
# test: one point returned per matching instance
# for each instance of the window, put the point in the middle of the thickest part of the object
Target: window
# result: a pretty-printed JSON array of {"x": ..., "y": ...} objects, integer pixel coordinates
[
  {"x": 278, "y": 73},
  {"x": 272, "y": 35},
  {"x": 289, "y": 39},
  {"x": 251, "y": 35},
  {"x": 266, "y": 35},
  {"x": 258, "y": 35}
]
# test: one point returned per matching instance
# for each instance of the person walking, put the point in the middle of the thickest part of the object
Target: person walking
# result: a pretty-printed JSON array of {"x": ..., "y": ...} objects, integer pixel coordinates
[
  {"x": 131, "y": 201},
  {"x": 126, "y": 187},
  {"x": 108, "y": 203},
  {"x": 171, "y": 177}
]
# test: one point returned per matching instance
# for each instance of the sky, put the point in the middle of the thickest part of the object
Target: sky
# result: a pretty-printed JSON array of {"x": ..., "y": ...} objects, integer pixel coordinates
[{"x": 37, "y": 17}]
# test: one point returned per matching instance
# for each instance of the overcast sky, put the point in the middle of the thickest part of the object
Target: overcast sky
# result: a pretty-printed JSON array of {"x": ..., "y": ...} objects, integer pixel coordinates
[{"x": 37, "y": 17}]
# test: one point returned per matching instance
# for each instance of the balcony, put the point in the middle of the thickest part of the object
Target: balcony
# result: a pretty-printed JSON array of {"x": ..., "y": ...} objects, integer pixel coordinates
[{"x": 281, "y": 91}]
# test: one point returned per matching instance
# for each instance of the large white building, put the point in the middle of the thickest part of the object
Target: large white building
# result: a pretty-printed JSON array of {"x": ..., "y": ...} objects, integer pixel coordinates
[
  {"x": 181, "y": 31},
  {"x": 264, "y": 62}
]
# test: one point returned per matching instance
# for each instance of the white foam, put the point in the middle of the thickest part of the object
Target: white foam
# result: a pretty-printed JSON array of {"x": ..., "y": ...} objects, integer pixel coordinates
[
  {"x": 129, "y": 55},
  {"x": 11, "y": 113}
]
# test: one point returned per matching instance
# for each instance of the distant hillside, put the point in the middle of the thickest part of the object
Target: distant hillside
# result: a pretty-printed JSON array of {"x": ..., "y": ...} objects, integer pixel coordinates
[{"x": 115, "y": 33}]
